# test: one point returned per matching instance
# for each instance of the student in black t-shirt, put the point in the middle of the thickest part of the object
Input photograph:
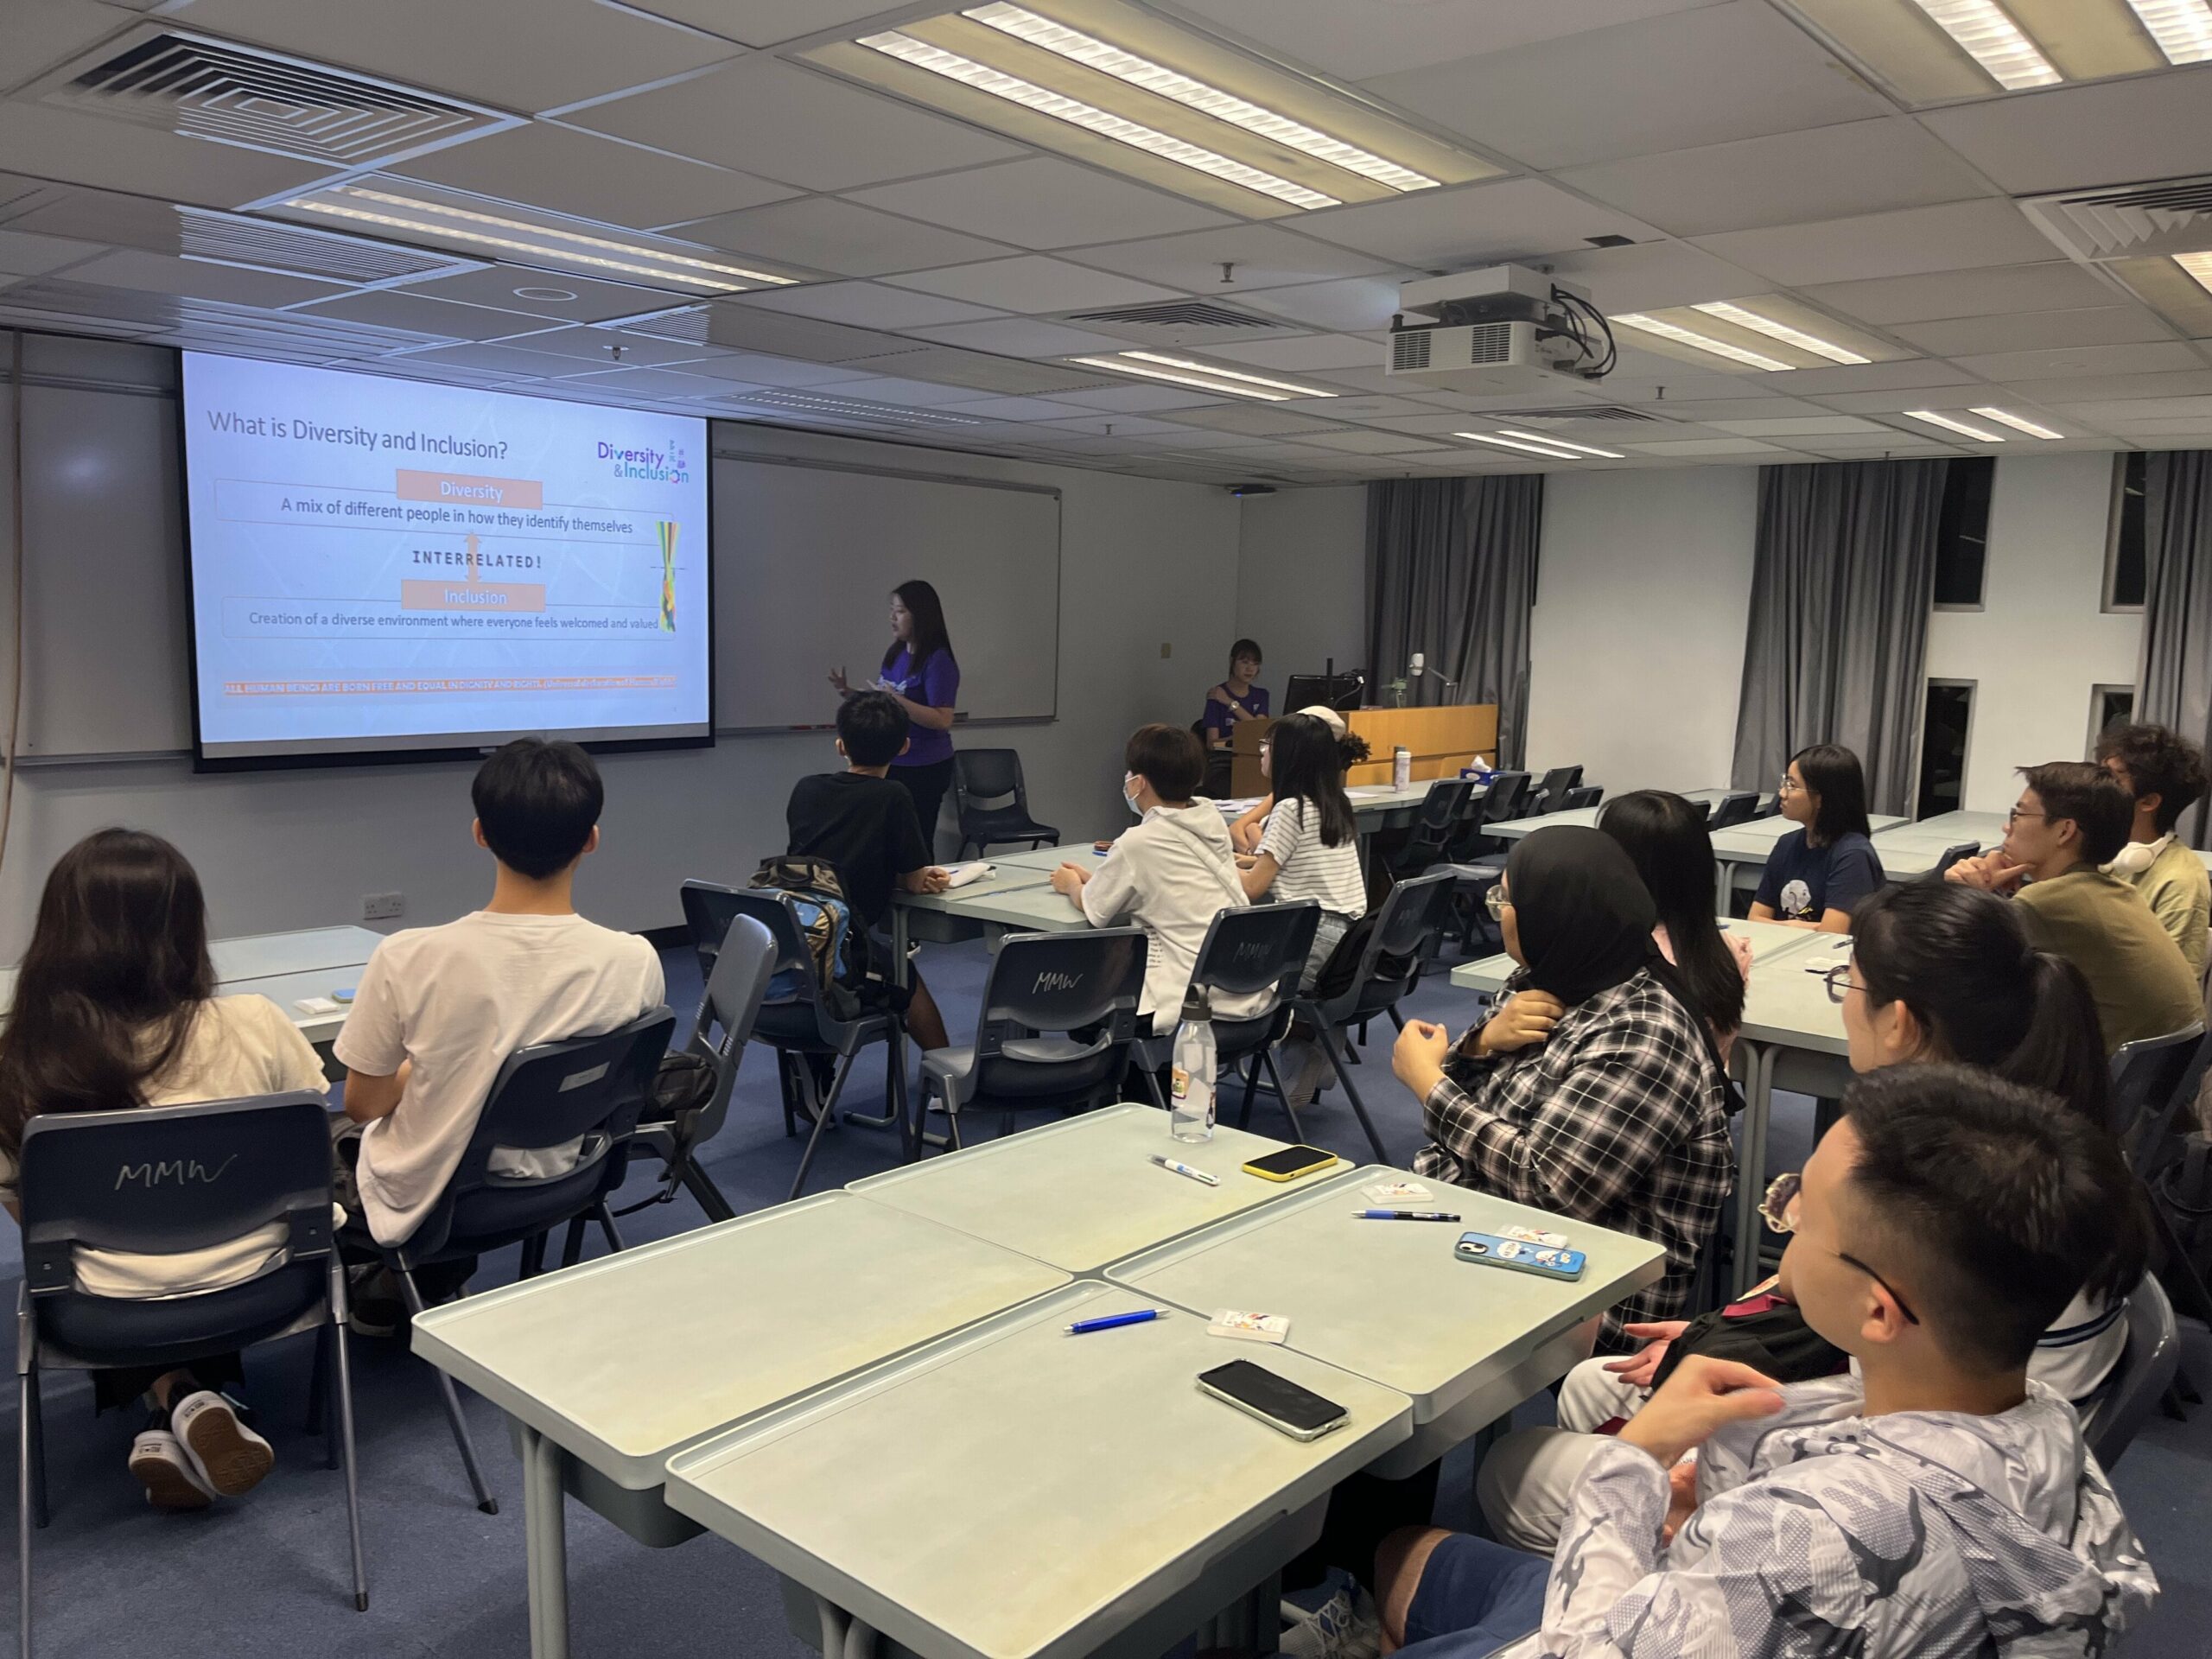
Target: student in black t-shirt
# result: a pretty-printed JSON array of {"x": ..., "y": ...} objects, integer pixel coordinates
[
  {"x": 1816, "y": 875},
  {"x": 864, "y": 824}
]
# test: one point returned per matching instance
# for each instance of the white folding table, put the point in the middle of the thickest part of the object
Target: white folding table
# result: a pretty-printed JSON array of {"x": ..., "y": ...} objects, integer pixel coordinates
[{"x": 1792, "y": 1037}]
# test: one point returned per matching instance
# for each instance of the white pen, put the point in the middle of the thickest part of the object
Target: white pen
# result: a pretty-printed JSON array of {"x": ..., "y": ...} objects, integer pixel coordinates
[{"x": 1185, "y": 1169}]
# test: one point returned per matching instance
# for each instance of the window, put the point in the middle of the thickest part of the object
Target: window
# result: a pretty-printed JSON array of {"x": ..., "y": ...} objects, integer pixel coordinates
[
  {"x": 1962, "y": 533},
  {"x": 2109, "y": 706},
  {"x": 2126, "y": 575},
  {"x": 1945, "y": 722}
]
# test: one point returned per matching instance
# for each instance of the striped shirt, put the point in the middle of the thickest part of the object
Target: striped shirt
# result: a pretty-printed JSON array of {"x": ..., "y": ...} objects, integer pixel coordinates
[{"x": 1306, "y": 869}]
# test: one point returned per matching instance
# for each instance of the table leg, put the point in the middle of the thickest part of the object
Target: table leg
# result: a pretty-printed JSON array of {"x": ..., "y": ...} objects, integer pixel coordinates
[
  {"x": 545, "y": 1526},
  {"x": 899, "y": 943},
  {"x": 860, "y": 1641},
  {"x": 1750, "y": 1166}
]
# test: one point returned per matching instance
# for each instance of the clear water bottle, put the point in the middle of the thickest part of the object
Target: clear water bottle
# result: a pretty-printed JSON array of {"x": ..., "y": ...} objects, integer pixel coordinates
[
  {"x": 1191, "y": 1101},
  {"x": 1401, "y": 767}
]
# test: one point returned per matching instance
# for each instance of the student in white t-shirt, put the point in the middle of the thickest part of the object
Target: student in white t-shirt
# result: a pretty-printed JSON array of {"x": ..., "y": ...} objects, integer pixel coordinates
[
  {"x": 115, "y": 1006},
  {"x": 440, "y": 1010},
  {"x": 1309, "y": 848},
  {"x": 1171, "y": 875}
]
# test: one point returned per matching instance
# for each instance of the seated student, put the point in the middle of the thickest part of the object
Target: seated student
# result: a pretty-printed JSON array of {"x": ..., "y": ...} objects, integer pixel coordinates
[
  {"x": 1937, "y": 1502},
  {"x": 440, "y": 1010},
  {"x": 1937, "y": 973},
  {"x": 2071, "y": 819},
  {"x": 1245, "y": 831},
  {"x": 1170, "y": 876},
  {"x": 2164, "y": 772},
  {"x": 1595, "y": 1090},
  {"x": 1666, "y": 840},
  {"x": 1816, "y": 875},
  {"x": 1236, "y": 699},
  {"x": 115, "y": 1006},
  {"x": 865, "y": 824}
]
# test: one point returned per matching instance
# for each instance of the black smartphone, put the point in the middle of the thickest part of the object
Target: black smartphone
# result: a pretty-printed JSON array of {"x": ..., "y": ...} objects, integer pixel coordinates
[
  {"x": 1274, "y": 1400},
  {"x": 1290, "y": 1163}
]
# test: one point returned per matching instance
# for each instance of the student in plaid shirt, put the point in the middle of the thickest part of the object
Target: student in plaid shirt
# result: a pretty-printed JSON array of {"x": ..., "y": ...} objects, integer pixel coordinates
[{"x": 1595, "y": 1091}]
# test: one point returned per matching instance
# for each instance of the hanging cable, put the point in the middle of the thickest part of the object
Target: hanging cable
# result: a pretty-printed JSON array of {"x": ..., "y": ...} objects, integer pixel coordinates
[{"x": 15, "y": 607}]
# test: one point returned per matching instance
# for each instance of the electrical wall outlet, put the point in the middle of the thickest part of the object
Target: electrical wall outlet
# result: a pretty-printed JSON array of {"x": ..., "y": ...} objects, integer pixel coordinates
[
  {"x": 1167, "y": 648},
  {"x": 382, "y": 906}
]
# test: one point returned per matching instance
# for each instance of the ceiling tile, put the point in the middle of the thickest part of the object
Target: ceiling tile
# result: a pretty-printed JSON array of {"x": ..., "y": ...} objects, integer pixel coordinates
[
  {"x": 568, "y": 50},
  {"x": 869, "y": 305},
  {"x": 1021, "y": 409},
  {"x": 1962, "y": 236},
  {"x": 1034, "y": 283},
  {"x": 583, "y": 347},
  {"x": 1734, "y": 409},
  {"x": 1705, "y": 447},
  {"x": 123, "y": 156},
  {"x": 1021, "y": 337},
  {"x": 2107, "y": 132},
  {"x": 1699, "y": 77},
  {"x": 163, "y": 273},
  {"x": 762, "y": 22},
  {"x": 2052, "y": 285},
  {"x": 759, "y": 369},
  {"x": 1373, "y": 443},
  {"x": 23, "y": 254},
  {"x": 1865, "y": 377},
  {"x": 824, "y": 233},
  {"x": 1259, "y": 256},
  {"x": 1897, "y": 399},
  {"x": 2109, "y": 325},
  {"x": 1858, "y": 167},
  {"x": 506, "y": 359},
  {"x": 594, "y": 302},
  {"x": 1308, "y": 352},
  {"x": 41, "y": 32},
  {"x": 1349, "y": 307},
  {"x": 394, "y": 308},
  {"x": 1254, "y": 420},
  {"x": 591, "y": 177},
  {"x": 2152, "y": 359},
  {"x": 650, "y": 382},
  {"x": 1474, "y": 225},
  {"x": 1359, "y": 41},
  {"x": 1789, "y": 426},
  {"x": 2059, "y": 392},
  {"x": 2151, "y": 408},
  {"x": 1653, "y": 274},
  {"x": 761, "y": 115},
  {"x": 1140, "y": 398},
  {"x": 1042, "y": 202}
]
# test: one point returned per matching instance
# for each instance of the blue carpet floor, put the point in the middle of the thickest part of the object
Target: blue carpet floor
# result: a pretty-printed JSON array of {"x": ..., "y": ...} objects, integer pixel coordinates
[{"x": 268, "y": 1575}]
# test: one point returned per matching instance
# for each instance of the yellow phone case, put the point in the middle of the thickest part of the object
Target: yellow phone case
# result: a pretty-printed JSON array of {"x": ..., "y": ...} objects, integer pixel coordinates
[{"x": 1323, "y": 1161}]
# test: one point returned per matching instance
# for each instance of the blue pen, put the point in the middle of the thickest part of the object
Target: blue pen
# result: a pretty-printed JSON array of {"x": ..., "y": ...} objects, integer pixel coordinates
[
  {"x": 1107, "y": 1321},
  {"x": 1401, "y": 1215}
]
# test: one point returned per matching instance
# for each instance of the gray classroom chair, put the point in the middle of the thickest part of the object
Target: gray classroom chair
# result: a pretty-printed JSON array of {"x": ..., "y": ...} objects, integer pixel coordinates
[
  {"x": 1246, "y": 951},
  {"x": 589, "y": 1089},
  {"x": 140, "y": 1180},
  {"x": 1952, "y": 856},
  {"x": 2148, "y": 1079},
  {"x": 1058, "y": 1021},
  {"x": 981, "y": 776},
  {"x": 1582, "y": 795},
  {"x": 1736, "y": 806},
  {"x": 2146, "y": 1368},
  {"x": 744, "y": 961},
  {"x": 1551, "y": 794},
  {"x": 1442, "y": 810}
]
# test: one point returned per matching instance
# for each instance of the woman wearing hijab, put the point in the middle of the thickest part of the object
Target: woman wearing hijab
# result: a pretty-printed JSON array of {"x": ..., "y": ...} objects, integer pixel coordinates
[{"x": 1593, "y": 1091}]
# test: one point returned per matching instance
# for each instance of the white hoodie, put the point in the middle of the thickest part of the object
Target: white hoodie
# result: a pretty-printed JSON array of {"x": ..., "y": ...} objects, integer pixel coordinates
[{"x": 1171, "y": 875}]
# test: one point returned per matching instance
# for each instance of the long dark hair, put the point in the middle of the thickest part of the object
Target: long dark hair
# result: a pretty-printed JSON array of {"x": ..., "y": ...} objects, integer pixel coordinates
[
  {"x": 1666, "y": 840},
  {"x": 1962, "y": 960},
  {"x": 1304, "y": 765},
  {"x": 1832, "y": 773},
  {"x": 928, "y": 611},
  {"x": 116, "y": 971}
]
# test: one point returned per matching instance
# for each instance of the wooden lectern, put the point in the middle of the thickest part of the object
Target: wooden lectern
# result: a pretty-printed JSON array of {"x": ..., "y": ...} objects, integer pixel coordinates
[
  {"x": 1245, "y": 779},
  {"x": 1442, "y": 739}
]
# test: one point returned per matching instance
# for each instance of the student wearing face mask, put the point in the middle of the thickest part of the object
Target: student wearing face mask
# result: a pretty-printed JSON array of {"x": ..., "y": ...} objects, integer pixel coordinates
[
  {"x": 1170, "y": 876},
  {"x": 2163, "y": 772}
]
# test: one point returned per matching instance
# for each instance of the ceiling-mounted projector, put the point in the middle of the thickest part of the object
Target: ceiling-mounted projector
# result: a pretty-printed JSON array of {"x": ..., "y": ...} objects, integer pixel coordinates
[{"x": 1505, "y": 332}]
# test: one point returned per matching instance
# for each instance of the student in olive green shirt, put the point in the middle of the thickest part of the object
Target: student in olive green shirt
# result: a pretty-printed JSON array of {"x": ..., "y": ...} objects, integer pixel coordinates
[
  {"x": 2071, "y": 819},
  {"x": 2164, "y": 772}
]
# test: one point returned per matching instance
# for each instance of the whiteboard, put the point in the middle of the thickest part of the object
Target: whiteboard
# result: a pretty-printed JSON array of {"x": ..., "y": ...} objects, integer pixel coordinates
[{"x": 806, "y": 555}]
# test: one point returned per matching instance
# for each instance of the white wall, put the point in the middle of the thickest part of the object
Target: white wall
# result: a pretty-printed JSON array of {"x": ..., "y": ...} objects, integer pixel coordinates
[
  {"x": 2039, "y": 642},
  {"x": 1643, "y": 590},
  {"x": 1301, "y": 583},
  {"x": 1144, "y": 563}
]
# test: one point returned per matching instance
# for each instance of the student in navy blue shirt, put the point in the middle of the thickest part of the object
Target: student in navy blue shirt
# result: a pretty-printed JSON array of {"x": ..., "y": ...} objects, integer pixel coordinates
[
  {"x": 1817, "y": 873},
  {"x": 919, "y": 670}
]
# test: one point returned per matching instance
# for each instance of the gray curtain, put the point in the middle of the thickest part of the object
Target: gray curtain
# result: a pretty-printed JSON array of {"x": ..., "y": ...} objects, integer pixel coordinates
[
  {"x": 1843, "y": 577},
  {"x": 2173, "y": 685},
  {"x": 1452, "y": 570}
]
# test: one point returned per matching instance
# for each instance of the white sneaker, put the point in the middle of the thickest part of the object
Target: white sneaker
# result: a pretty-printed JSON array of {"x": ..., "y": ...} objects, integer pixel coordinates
[
  {"x": 1301, "y": 1065},
  {"x": 1346, "y": 1626},
  {"x": 157, "y": 1458},
  {"x": 228, "y": 1458}
]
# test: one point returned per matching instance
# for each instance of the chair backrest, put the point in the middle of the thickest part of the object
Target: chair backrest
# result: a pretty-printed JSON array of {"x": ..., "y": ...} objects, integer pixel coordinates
[
  {"x": 982, "y": 775},
  {"x": 1770, "y": 807},
  {"x": 588, "y": 1089},
  {"x": 1508, "y": 796},
  {"x": 2146, "y": 1368},
  {"x": 1441, "y": 809},
  {"x": 1042, "y": 987},
  {"x": 1736, "y": 806},
  {"x": 1952, "y": 856},
  {"x": 161, "y": 1180},
  {"x": 1582, "y": 795},
  {"x": 1551, "y": 794},
  {"x": 2147, "y": 1075},
  {"x": 1412, "y": 915},
  {"x": 743, "y": 967},
  {"x": 1252, "y": 948},
  {"x": 1704, "y": 812},
  {"x": 707, "y": 909}
]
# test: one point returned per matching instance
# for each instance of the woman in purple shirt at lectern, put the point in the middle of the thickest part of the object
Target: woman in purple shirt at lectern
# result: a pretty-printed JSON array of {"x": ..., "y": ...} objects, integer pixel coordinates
[{"x": 919, "y": 670}]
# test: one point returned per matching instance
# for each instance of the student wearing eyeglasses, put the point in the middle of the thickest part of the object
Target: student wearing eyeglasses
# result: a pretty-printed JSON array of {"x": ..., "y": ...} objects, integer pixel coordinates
[
  {"x": 1816, "y": 875},
  {"x": 2071, "y": 819}
]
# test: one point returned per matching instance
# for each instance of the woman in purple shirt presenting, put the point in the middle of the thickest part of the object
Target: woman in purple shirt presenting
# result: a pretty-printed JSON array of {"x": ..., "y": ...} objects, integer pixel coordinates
[
  {"x": 919, "y": 670},
  {"x": 1235, "y": 698}
]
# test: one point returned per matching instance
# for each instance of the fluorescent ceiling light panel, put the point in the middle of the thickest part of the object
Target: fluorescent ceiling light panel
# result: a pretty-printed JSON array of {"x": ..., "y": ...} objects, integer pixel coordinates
[
  {"x": 1948, "y": 425},
  {"x": 438, "y": 220},
  {"x": 1992, "y": 40},
  {"x": 1219, "y": 373},
  {"x": 1187, "y": 372},
  {"x": 1683, "y": 336},
  {"x": 2182, "y": 28},
  {"x": 1157, "y": 78},
  {"x": 1560, "y": 443},
  {"x": 1781, "y": 331},
  {"x": 2016, "y": 422},
  {"x": 1044, "y": 101},
  {"x": 2198, "y": 265},
  {"x": 1538, "y": 448}
]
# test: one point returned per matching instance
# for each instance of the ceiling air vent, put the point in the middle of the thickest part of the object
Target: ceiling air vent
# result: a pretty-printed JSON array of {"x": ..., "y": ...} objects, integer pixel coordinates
[
  {"x": 2173, "y": 216},
  {"x": 1180, "y": 323},
  {"x": 232, "y": 239},
  {"x": 201, "y": 88},
  {"x": 825, "y": 406}
]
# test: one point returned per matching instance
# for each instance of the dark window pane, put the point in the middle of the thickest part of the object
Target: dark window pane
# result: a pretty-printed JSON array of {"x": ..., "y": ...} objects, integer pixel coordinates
[
  {"x": 2115, "y": 707},
  {"x": 2127, "y": 565},
  {"x": 1944, "y": 748},
  {"x": 1962, "y": 531}
]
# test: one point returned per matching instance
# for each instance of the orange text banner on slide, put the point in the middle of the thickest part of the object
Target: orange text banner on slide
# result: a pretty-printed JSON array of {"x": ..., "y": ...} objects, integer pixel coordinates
[
  {"x": 469, "y": 490},
  {"x": 1442, "y": 739}
]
